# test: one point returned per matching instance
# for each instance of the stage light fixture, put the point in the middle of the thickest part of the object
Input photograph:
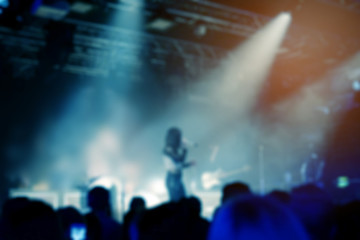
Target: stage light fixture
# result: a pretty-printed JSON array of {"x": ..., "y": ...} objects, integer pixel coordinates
[
  {"x": 55, "y": 10},
  {"x": 342, "y": 182},
  {"x": 200, "y": 30},
  {"x": 285, "y": 15}
]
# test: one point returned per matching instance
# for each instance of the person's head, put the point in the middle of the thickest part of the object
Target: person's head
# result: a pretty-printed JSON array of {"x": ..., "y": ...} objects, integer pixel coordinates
[
  {"x": 315, "y": 209},
  {"x": 70, "y": 218},
  {"x": 193, "y": 205},
  {"x": 255, "y": 218},
  {"x": 137, "y": 204},
  {"x": 30, "y": 219},
  {"x": 173, "y": 138},
  {"x": 280, "y": 196},
  {"x": 234, "y": 190},
  {"x": 12, "y": 206},
  {"x": 99, "y": 199}
]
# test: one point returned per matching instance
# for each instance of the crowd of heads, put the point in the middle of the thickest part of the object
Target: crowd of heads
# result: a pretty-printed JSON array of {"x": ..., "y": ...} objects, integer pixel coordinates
[{"x": 305, "y": 213}]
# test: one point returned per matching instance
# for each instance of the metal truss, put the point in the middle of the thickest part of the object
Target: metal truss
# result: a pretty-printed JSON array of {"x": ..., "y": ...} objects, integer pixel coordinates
[
  {"x": 96, "y": 43},
  {"x": 100, "y": 48},
  {"x": 300, "y": 43}
]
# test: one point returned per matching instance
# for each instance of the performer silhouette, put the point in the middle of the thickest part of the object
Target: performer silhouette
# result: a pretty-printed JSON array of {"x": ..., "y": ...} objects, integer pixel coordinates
[{"x": 174, "y": 159}]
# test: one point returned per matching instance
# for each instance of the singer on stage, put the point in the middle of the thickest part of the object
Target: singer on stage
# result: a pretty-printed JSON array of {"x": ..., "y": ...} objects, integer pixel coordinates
[{"x": 174, "y": 159}]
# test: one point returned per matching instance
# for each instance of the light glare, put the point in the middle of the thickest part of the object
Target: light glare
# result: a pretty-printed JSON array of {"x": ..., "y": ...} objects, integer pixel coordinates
[{"x": 4, "y": 3}]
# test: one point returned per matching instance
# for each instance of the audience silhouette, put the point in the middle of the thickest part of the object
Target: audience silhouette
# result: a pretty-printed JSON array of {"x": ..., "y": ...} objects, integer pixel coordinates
[
  {"x": 256, "y": 218},
  {"x": 305, "y": 213},
  {"x": 29, "y": 219},
  {"x": 70, "y": 220},
  {"x": 133, "y": 217},
  {"x": 100, "y": 223}
]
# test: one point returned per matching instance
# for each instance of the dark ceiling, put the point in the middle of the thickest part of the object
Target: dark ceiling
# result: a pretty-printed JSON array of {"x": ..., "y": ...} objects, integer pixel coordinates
[{"x": 323, "y": 33}]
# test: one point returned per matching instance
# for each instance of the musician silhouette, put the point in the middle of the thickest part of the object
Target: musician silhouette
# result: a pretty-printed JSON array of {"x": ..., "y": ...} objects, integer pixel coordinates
[{"x": 174, "y": 158}]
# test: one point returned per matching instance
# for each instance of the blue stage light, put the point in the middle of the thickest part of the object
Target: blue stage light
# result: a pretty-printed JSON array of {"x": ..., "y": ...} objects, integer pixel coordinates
[
  {"x": 356, "y": 85},
  {"x": 4, "y": 3}
]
